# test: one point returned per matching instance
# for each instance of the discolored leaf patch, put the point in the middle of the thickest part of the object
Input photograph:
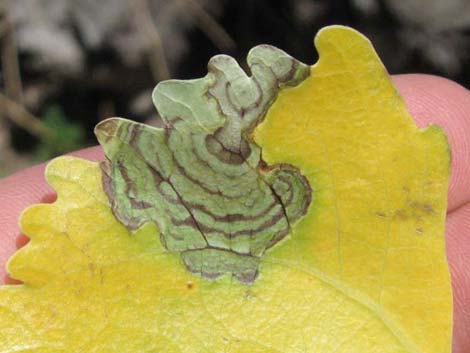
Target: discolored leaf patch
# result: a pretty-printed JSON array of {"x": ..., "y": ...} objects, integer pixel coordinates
[{"x": 200, "y": 177}]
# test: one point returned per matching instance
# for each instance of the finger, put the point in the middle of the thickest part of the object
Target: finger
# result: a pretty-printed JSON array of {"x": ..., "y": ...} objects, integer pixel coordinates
[
  {"x": 21, "y": 190},
  {"x": 458, "y": 254},
  {"x": 432, "y": 99}
]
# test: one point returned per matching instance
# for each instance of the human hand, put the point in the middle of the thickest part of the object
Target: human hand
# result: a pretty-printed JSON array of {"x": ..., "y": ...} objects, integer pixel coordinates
[{"x": 429, "y": 99}]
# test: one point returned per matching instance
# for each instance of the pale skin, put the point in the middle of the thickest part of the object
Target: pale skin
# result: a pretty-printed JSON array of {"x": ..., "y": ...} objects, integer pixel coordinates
[{"x": 429, "y": 99}]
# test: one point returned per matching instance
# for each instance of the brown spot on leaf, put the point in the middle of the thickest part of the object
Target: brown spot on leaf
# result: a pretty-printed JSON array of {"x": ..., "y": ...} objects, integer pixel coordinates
[
  {"x": 428, "y": 208},
  {"x": 401, "y": 215},
  {"x": 422, "y": 207}
]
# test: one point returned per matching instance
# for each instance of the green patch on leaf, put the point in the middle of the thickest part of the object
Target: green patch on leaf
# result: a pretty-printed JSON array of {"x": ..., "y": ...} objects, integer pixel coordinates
[{"x": 200, "y": 177}]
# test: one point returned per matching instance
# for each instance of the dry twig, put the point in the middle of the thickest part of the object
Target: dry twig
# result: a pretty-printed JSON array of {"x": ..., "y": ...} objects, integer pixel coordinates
[
  {"x": 24, "y": 119},
  {"x": 10, "y": 64},
  {"x": 213, "y": 30},
  {"x": 147, "y": 27}
]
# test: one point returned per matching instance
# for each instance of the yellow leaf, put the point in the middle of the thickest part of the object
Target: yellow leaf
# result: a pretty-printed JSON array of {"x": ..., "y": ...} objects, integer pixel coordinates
[{"x": 364, "y": 271}]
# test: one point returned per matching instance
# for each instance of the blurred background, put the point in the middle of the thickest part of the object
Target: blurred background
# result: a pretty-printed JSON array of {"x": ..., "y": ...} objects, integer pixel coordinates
[{"x": 67, "y": 64}]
